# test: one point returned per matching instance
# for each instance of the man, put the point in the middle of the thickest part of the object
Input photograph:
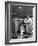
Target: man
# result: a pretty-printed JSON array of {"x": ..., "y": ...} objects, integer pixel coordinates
[{"x": 28, "y": 25}]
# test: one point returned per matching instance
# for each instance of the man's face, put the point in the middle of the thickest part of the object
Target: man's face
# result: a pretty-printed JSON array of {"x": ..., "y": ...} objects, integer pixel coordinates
[{"x": 25, "y": 20}]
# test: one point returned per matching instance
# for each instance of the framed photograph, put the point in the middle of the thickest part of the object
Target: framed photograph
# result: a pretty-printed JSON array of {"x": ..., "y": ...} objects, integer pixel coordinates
[{"x": 20, "y": 22}]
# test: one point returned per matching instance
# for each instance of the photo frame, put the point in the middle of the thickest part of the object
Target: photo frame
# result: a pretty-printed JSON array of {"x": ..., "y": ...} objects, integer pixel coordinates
[{"x": 20, "y": 22}]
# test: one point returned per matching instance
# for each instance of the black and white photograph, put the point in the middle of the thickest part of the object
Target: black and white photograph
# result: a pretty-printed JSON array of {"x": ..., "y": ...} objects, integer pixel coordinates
[{"x": 21, "y": 21}]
